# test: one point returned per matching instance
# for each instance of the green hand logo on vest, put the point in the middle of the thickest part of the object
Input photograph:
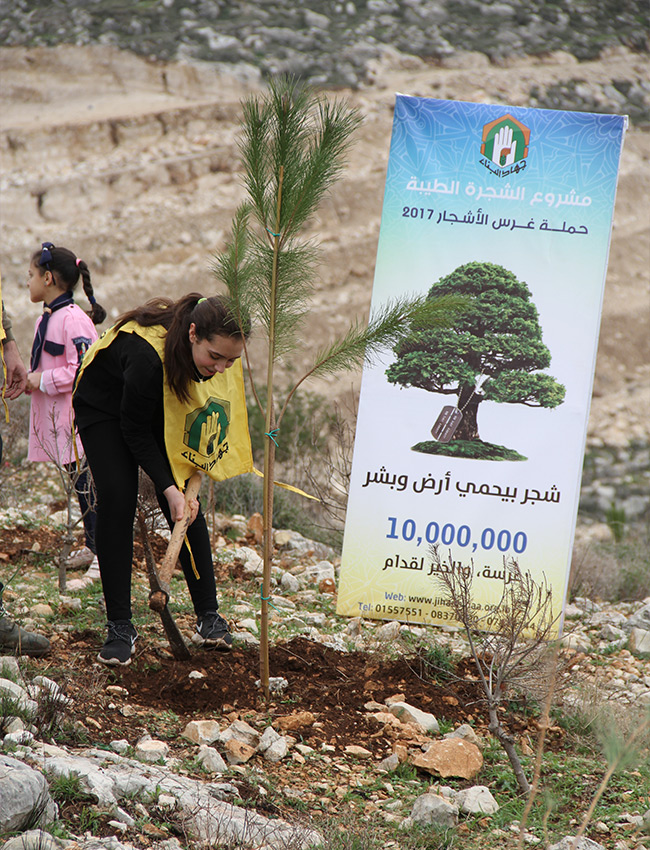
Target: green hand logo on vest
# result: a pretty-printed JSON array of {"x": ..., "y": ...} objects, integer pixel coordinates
[{"x": 206, "y": 427}]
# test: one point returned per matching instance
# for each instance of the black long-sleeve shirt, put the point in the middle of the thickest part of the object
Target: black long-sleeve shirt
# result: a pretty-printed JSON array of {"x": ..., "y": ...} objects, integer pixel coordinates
[{"x": 125, "y": 382}]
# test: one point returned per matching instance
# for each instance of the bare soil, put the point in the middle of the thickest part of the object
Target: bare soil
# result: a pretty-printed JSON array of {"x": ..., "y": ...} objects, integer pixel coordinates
[{"x": 334, "y": 687}]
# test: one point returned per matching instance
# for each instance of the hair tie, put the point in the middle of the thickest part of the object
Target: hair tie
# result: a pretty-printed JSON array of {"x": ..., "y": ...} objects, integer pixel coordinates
[
  {"x": 200, "y": 301},
  {"x": 92, "y": 300},
  {"x": 78, "y": 261},
  {"x": 46, "y": 255}
]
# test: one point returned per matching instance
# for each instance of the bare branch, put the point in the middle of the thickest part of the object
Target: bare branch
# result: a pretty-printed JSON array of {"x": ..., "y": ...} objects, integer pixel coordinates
[{"x": 511, "y": 644}]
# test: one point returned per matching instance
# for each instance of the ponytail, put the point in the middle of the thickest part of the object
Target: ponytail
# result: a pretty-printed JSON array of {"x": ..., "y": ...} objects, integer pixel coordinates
[
  {"x": 214, "y": 316},
  {"x": 66, "y": 269},
  {"x": 96, "y": 312}
]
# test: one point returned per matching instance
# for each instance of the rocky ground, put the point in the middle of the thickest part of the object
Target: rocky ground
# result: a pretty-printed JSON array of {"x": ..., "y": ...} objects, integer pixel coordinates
[
  {"x": 118, "y": 137},
  {"x": 380, "y": 722}
]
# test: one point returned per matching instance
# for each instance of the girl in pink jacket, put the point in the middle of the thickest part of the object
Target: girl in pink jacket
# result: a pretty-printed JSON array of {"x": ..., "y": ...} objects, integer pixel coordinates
[{"x": 63, "y": 334}]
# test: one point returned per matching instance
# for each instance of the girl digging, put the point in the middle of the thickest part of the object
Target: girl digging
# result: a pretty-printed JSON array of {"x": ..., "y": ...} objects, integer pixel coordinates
[
  {"x": 62, "y": 335},
  {"x": 158, "y": 392}
]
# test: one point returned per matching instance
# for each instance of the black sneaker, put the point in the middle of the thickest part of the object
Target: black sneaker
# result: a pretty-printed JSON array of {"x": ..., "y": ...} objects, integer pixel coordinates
[
  {"x": 119, "y": 645},
  {"x": 212, "y": 632}
]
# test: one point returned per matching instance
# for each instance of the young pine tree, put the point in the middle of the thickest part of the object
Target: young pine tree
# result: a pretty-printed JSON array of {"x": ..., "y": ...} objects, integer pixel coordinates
[{"x": 293, "y": 147}]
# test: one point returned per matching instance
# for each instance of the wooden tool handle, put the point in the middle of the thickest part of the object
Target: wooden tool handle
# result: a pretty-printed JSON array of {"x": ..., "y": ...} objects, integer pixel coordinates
[{"x": 158, "y": 600}]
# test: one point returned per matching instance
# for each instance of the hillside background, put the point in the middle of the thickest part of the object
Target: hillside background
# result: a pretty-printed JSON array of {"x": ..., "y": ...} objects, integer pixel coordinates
[{"x": 118, "y": 138}]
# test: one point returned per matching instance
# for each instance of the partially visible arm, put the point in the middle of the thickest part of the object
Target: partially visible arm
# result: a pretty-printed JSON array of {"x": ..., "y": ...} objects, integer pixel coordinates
[
  {"x": 16, "y": 372},
  {"x": 141, "y": 408}
]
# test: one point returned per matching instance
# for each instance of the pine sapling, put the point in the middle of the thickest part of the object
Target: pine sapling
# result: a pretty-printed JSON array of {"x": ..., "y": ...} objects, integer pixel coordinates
[{"x": 293, "y": 146}]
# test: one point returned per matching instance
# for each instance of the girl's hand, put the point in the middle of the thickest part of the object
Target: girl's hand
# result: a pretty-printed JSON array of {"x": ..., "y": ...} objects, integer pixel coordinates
[
  {"x": 176, "y": 501},
  {"x": 33, "y": 382}
]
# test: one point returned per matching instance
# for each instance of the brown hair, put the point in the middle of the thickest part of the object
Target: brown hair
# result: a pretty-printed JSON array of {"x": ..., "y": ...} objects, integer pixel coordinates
[
  {"x": 213, "y": 316},
  {"x": 66, "y": 269}
]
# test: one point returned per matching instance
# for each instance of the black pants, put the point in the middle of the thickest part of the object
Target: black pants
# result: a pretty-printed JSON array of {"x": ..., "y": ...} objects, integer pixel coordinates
[{"x": 115, "y": 472}]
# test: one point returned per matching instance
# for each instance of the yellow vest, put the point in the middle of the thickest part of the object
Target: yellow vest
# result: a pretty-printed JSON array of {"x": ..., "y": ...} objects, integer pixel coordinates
[
  {"x": 2, "y": 330},
  {"x": 208, "y": 432},
  {"x": 4, "y": 365}
]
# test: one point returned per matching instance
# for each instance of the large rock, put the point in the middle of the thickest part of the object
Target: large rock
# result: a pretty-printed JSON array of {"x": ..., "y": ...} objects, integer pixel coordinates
[
  {"x": 640, "y": 619},
  {"x": 452, "y": 757},
  {"x": 292, "y": 541},
  {"x": 206, "y": 818},
  {"x": 293, "y": 722},
  {"x": 152, "y": 751},
  {"x": 9, "y": 668},
  {"x": 24, "y": 797},
  {"x": 202, "y": 731},
  {"x": 242, "y": 732},
  {"x": 237, "y": 752},
  {"x": 640, "y": 640},
  {"x": 273, "y": 746},
  {"x": 92, "y": 778},
  {"x": 320, "y": 571},
  {"x": 33, "y": 839},
  {"x": 409, "y": 714},
  {"x": 465, "y": 732},
  {"x": 434, "y": 810},
  {"x": 250, "y": 559},
  {"x": 211, "y": 760},
  {"x": 477, "y": 800}
]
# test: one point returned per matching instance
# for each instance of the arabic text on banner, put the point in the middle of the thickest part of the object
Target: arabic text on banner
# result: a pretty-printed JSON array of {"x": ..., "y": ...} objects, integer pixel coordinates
[{"x": 471, "y": 439}]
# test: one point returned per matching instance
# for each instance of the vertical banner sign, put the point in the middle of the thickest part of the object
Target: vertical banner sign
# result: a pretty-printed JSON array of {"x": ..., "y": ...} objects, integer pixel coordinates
[{"x": 471, "y": 437}]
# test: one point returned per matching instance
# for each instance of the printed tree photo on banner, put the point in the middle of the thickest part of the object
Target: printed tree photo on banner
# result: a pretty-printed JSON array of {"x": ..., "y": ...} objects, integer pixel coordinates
[{"x": 493, "y": 352}]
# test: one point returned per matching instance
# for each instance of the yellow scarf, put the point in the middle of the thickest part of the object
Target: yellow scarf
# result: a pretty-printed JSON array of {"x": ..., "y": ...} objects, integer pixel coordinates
[{"x": 4, "y": 365}]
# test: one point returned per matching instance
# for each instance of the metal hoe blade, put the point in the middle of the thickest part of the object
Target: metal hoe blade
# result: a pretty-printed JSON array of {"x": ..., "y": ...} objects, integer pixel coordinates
[{"x": 175, "y": 638}]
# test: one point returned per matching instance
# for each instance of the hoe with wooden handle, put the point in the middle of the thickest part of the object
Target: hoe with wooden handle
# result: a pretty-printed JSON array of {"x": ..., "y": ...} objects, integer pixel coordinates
[
  {"x": 158, "y": 598},
  {"x": 177, "y": 644}
]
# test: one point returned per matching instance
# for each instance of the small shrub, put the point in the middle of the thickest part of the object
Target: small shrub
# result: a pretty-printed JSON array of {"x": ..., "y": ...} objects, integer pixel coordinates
[
  {"x": 437, "y": 663},
  {"x": 244, "y": 495},
  {"x": 615, "y": 571},
  {"x": 89, "y": 820},
  {"x": 68, "y": 789},
  {"x": 406, "y": 772},
  {"x": 306, "y": 426},
  {"x": 616, "y": 519},
  {"x": 50, "y": 712}
]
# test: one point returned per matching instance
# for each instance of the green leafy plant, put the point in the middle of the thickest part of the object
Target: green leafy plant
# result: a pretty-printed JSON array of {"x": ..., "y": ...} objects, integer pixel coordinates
[
  {"x": 67, "y": 788},
  {"x": 89, "y": 820},
  {"x": 437, "y": 662},
  {"x": 12, "y": 707},
  {"x": 620, "y": 751}
]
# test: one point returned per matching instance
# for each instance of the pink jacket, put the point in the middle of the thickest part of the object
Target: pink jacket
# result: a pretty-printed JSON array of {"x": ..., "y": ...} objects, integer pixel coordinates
[{"x": 69, "y": 334}]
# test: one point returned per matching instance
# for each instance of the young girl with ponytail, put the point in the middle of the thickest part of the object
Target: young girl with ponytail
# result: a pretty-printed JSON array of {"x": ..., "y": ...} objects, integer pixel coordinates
[
  {"x": 63, "y": 334},
  {"x": 157, "y": 392}
]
